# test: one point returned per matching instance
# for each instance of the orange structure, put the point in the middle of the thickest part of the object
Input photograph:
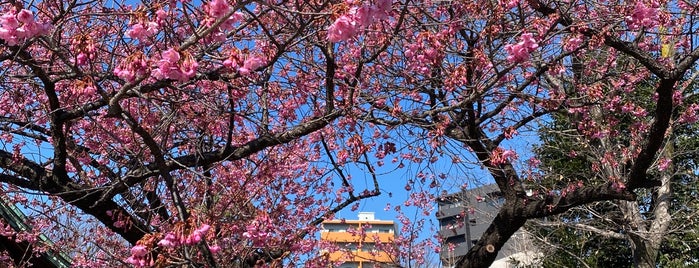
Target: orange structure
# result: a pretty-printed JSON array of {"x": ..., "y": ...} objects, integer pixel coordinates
[{"x": 358, "y": 250}]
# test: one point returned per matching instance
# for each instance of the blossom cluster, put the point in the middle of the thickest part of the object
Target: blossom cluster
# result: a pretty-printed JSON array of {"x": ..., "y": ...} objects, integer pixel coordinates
[
  {"x": 572, "y": 43},
  {"x": 691, "y": 115},
  {"x": 134, "y": 66},
  {"x": 142, "y": 31},
  {"x": 259, "y": 232},
  {"x": 139, "y": 256},
  {"x": 146, "y": 29},
  {"x": 6, "y": 230},
  {"x": 347, "y": 26},
  {"x": 244, "y": 67},
  {"x": 520, "y": 52},
  {"x": 173, "y": 66},
  {"x": 643, "y": 16},
  {"x": 141, "y": 253},
  {"x": 84, "y": 47},
  {"x": 173, "y": 240},
  {"x": 216, "y": 10},
  {"x": 501, "y": 156},
  {"x": 419, "y": 55},
  {"x": 16, "y": 27}
]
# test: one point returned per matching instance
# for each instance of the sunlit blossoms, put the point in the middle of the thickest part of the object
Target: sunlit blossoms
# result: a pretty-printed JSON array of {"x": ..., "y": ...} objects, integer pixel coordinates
[
  {"x": 691, "y": 115},
  {"x": 501, "y": 156},
  {"x": 347, "y": 26},
  {"x": 520, "y": 51},
  {"x": 183, "y": 237},
  {"x": 251, "y": 64},
  {"x": 142, "y": 31},
  {"x": 173, "y": 66},
  {"x": 18, "y": 26},
  {"x": 643, "y": 15},
  {"x": 205, "y": 133},
  {"x": 218, "y": 8},
  {"x": 134, "y": 66},
  {"x": 138, "y": 256},
  {"x": 344, "y": 28}
]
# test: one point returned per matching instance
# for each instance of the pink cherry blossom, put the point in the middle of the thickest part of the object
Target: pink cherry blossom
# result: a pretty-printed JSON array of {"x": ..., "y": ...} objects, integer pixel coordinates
[
  {"x": 192, "y": 239},
  {"x": 643, "y": 16},
  {"x": 161, "y": 15},
  {"x": 347, "y": 26},
  {"x": 203, "y": 229},
  {"x": 218, "y": 8},
  {"x": 81, "y": 59},
  {"x": 133, "y": 261},
  {"x": 572, "y": 43},
  {"x": 169, "y": 241},
  {"x": 172, "y": 66},
  {"x": 142, "y": 31},
  {"x": 690, "y": 115},
  {"x": 9, "y": 21},
  {"x": 501, "y": 156},
  {"x": 25, "y": 16},
  {"x": 160, "y": 113},
  {"x": 382, "y": 9},
  {"x": 664, "y": 163},
  {"x": 250, "y": 65},
  {"x": 363, "y": 15},
  {"x": 134, "y": 66},
  {"x": 139, "y": 251},
  {"x": 509, "y": 4},
  {"x": 342, "y": 29},
  {"x": 20, "y": 26},
  {"x": 520, "y": 52}
]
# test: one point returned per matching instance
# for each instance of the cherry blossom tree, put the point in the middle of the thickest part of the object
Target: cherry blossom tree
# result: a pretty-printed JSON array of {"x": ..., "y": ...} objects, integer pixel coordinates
[
  {"x": 476, "y": 75},
  {"x": 172, "y": 132},
  {"x": 221, "y": 132}
]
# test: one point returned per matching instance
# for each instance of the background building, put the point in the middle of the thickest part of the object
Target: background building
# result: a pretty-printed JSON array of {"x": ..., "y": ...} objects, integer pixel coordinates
[
  {"x": 357, "y": 250},
  {"x": 464, "y": 217},
  {"x": 21, "y": 251}
]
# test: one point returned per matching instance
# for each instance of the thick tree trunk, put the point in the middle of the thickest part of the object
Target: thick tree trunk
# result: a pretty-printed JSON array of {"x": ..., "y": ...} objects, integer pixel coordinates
[
  {"x": 646, "y": 248},
  {"x": 644, "y": 254},
  {"x": 484, "y": 252}
]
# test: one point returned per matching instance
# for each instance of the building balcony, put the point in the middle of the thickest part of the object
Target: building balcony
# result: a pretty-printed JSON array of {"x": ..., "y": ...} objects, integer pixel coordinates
[
  {"x": 347, "y": 237},
  {"x": 450, "y": 231},
  {"x": 361, "y": 256},
  {"x": 450, "y": 212}
]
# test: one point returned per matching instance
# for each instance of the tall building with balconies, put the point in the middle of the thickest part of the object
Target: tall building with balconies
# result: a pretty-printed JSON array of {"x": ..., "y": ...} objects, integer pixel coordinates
[
  {"x": 357, "y": 250},
  {"x": 463, "y": 218}
]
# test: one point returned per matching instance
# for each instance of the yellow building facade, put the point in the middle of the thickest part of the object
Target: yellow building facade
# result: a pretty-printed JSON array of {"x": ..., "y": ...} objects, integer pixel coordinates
[{"x": 360, "y": 250}]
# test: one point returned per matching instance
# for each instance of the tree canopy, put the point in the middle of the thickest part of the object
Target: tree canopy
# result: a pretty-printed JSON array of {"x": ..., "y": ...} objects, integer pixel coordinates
[
  {"x": 221, "y": 133},
  {"x": 661, "y": 227}
]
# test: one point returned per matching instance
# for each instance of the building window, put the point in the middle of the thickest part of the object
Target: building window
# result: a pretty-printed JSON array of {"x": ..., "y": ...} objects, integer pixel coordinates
[
  {"x": 349, "y": 265},
  {"x": 349, "y": 246},
  {"x": 368, "y": 247}
]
